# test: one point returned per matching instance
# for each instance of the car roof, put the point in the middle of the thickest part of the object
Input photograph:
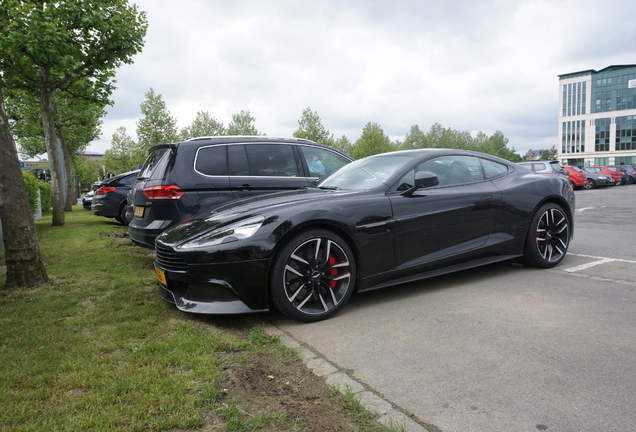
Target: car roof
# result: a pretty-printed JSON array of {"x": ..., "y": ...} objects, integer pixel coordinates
[{"x": 240, "y": 139}]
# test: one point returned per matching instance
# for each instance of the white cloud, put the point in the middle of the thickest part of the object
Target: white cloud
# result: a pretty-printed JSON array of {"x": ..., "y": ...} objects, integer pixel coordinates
[{"x": 478, "y": 66}]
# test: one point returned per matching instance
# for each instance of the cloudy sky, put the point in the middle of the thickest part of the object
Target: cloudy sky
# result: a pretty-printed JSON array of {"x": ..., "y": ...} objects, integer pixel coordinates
[{"x": 469, "y": 65}]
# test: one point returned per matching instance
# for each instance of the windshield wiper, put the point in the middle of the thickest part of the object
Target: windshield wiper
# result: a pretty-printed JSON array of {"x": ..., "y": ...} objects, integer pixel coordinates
[{"x": 329, "y": 187}]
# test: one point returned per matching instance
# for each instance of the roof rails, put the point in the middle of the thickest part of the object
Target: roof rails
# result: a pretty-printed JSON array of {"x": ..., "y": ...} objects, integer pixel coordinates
[{"x": 264, "y": 137}]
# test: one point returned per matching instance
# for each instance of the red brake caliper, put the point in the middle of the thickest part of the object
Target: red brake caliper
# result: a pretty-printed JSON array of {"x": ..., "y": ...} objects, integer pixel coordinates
[{"x": 333, "y": 271}]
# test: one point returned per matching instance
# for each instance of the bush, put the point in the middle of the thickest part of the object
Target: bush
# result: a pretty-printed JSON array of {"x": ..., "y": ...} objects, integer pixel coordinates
[
  {"x": 46, "y": 195},
  {"x": 32, "y": 185}
]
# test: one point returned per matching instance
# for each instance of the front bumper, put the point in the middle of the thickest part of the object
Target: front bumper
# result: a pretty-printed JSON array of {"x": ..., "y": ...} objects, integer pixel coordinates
[{"x": 219, "y": 288}]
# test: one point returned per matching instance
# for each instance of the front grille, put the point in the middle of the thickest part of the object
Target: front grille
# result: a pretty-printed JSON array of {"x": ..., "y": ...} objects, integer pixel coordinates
[{"x": 167, "y": 260}]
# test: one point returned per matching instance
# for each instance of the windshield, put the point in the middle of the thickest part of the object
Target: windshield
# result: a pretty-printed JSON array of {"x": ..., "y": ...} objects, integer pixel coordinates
[{"x": 365, "y": 173}]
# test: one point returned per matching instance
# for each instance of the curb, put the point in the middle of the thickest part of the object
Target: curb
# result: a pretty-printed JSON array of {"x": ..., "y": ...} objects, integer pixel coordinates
[{"x": 388, "y": 415}]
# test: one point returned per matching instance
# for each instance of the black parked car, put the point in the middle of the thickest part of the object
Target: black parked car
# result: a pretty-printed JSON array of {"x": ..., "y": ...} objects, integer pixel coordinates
[
  {"x": 379, "y": 221},
  {"x": 110, "y": 198},
  {"x": 180, "y": 180}
]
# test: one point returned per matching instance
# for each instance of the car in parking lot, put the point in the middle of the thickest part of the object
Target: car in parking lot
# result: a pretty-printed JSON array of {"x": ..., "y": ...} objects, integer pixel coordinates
[
  {"x": 377, "y": 222},
  {"x": 616, "y": 175},
  {"x": 179, "y": 180},
  {"x": 596, "y": 180},
  {"x": 578, "y": 179},
  {"x": 110, "y": 198},
  {"x": 545, "y": 167},
  {"x": 629, "y": 172}
]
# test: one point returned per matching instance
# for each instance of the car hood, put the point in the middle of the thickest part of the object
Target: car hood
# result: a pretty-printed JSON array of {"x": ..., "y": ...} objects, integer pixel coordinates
[{"x": 235, "y": 211}]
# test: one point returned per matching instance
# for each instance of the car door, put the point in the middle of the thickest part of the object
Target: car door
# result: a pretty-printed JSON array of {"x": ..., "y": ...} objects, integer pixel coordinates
[
  {"x": 452, "y": 218},
  {"x": 263, "y": 168}
]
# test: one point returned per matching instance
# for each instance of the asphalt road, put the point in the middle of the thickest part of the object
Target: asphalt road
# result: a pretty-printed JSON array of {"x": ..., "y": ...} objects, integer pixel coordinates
[{"x": 504, "y": 347}]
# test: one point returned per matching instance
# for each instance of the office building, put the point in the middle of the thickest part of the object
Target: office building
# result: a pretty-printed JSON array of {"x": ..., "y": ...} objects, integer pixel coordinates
[{"x": 597, "y": 116}]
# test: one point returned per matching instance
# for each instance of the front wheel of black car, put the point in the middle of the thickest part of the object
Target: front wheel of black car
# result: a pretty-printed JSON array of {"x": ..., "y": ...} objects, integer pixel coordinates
[
  {"x": 312, "y": 276},
  {"x": 548, "y": 237}
]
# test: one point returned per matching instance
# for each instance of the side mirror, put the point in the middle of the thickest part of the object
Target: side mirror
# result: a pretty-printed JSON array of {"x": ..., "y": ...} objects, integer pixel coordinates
[{"x": 423, "y": 179}]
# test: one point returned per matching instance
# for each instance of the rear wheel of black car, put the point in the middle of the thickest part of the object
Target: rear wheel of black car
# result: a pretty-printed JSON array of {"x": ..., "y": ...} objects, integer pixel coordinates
[
  {"x": 312, "y": 276},
  {"x": 548, "y": 237},
  {"x": 121, "y": 218}
]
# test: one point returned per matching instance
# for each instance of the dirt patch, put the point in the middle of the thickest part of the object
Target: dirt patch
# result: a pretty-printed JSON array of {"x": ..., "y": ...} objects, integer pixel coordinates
[{"x": 269, "y": 384}]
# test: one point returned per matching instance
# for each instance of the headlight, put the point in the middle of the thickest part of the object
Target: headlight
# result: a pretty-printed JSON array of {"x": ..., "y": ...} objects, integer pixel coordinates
[{"x": 231, "y": 233}]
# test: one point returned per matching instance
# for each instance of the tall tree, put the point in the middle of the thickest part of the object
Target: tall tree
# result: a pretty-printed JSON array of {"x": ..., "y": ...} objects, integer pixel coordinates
[
  {"x": 310, "y": 127},
  {"x": 124, "y": 154},
  {"x": 343, "y": 144},
  {"x": 415, "y": 139},
  {"x": 202, "y": 125},
  {"x": 157, "y": 126},
  {"x": 242, "y": 124},
  {"x": 77, "y": 123},
  {"x": 372, "y": 141},
  {"x": 25, "y": 267},
  {"x": 48, "y": 46}
]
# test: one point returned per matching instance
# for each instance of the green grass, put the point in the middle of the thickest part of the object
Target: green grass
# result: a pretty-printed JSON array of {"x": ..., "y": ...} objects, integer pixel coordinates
[{"x": 97, "y": 349}]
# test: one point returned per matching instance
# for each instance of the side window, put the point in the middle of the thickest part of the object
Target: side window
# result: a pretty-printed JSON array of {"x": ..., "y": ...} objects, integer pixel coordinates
[
  {"x": 276, "y": 160},
  {"x": 493, "y": 169},
  {"x": 322, "y": 162},
  {"x": 454, "y": 170},
  {"x": 211, "y": 161}
]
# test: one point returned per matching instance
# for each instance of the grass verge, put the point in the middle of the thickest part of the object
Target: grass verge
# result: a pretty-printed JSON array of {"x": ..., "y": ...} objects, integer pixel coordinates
[{"x": 97, "y": 349}]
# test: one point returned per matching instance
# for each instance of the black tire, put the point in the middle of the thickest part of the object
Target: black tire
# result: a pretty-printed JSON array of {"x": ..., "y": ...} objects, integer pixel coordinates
[
  {"x": 312, "y": 276},
  {"x": 122, "y": 215},
  {"x": 589, "y": 184},
  {"x": 548, "y": 237}
]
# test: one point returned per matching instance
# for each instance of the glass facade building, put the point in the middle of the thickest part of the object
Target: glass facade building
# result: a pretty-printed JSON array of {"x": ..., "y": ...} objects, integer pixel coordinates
[{"x": 597, "y": 116}]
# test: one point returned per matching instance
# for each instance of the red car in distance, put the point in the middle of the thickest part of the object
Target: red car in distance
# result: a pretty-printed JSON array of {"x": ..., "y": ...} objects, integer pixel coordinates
[
  {"x": 617, "y": 175},
  {"x": 578, "y": 179}
]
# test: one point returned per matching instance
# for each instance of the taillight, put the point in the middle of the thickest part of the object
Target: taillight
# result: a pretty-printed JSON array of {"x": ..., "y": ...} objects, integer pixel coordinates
[
  {"x": 163, "y": 193},
  {"x": 104, "y": 190}
]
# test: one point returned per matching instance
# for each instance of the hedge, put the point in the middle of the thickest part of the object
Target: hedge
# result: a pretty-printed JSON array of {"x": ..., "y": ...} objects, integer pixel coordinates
[{"x": 32, "y": 185}]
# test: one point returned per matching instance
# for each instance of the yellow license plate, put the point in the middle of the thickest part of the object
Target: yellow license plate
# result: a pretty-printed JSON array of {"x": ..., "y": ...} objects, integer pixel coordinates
[
  {"x": 139, "y": 211},
  {"x": 161, "y": 275}
]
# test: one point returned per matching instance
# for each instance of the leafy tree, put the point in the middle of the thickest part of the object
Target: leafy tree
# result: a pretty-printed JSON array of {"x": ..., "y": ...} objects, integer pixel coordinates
[
  {"x": 124, "y": 154},
  {"x": 25, "y": 267},
  {"x": 49, "y": 46},
  {"x": 88, "y": 172},
  {"x": 311, "y": 128},
  {"x": 546, "y": 155},
  {"x": 157, "y": 125},
  {"x": 202, "y": 125},
  {"x": 77, "y": 123},
  {"x": 343, "y": 144},
  {"x": 372, "y": 141},
  {"x": 415, "y": 139},
  {"x": 242, "y": 124}
]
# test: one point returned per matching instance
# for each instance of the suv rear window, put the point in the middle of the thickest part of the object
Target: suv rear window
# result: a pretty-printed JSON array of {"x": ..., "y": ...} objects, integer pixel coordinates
[{"x": 156, "y": 164}]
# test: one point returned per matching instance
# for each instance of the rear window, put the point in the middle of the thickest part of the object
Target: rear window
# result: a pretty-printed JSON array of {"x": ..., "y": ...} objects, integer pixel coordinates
[{"x": 156, "y": 164}]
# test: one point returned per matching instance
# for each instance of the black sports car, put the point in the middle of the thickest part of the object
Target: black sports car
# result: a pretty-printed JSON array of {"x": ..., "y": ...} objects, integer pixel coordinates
[{"x": 379, "y": 221}]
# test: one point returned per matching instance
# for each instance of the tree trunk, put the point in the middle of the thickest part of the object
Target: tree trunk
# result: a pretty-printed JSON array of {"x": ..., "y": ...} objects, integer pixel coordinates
[
  {"x": 56, "y": 162},
  {"x": 71, "y": 199},
  {"x": 22, "y": 251}
]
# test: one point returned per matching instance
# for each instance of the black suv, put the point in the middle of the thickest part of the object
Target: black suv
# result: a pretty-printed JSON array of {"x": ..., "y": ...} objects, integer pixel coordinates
[{"x": 180, "y": 180}]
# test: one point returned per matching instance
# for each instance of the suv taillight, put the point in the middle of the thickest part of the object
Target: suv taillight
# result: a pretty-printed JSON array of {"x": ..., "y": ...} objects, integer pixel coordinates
[
  {"x": 163, "y": 193},
  {"x": 104, "y": 190}
]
